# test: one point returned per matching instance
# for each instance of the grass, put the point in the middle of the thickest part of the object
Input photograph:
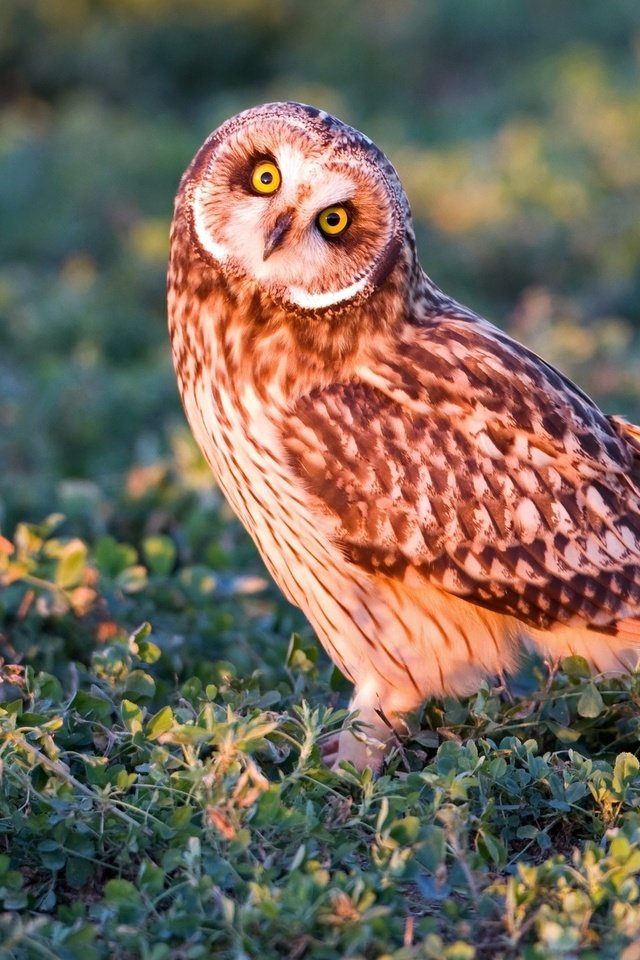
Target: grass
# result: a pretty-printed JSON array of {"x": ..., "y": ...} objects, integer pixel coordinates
[{"x": 163, "y": 793}]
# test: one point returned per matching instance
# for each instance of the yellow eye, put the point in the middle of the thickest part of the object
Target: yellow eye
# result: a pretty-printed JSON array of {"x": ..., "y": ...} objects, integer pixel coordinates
[
  {"x": 265, "y": 177},
  {"x": 333, "y": 221}
]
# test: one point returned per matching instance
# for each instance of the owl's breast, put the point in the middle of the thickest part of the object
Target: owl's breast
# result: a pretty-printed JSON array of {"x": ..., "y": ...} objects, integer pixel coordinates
[{"x": 238, "y": 431}]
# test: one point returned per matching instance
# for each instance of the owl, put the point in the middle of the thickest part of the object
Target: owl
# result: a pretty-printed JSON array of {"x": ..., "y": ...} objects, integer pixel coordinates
[{"x": 433, "y": 495}]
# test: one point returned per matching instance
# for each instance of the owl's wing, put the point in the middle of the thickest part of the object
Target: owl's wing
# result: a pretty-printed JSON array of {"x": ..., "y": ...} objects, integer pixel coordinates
[{"x": 468, "y": 461}]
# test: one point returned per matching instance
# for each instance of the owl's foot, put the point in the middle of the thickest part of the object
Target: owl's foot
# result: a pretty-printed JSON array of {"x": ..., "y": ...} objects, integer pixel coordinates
[
  {"x": 362, "y": 748},
  {"x": 376, "y": 730},
  {"x": 356, "y": 747},
  {"x": 329, "y": 748}
]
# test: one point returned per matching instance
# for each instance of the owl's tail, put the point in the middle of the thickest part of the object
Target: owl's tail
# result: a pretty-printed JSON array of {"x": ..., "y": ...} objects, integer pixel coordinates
[
  {"x": 625, "y": 645},
  {"x": 630, "y": 433},
  {"x": 607, "y": 654},
  {"x": 628, "y": 630}
]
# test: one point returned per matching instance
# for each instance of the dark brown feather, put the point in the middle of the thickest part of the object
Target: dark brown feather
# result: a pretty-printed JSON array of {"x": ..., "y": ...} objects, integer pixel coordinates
[{"x": 505, "y": 516}]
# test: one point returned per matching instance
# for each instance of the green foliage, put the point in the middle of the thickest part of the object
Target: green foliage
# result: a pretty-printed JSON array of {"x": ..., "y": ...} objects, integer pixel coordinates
[
  {"x": 162, "y": 793},
  {"x": 164, "y": 799}
]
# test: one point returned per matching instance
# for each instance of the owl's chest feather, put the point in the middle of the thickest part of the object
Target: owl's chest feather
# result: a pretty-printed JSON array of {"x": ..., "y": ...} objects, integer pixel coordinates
[{"x": 239, "y": 434}]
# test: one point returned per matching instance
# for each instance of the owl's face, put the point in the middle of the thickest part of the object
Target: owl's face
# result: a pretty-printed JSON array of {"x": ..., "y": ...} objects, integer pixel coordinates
[{"x": 305, "y": 207}]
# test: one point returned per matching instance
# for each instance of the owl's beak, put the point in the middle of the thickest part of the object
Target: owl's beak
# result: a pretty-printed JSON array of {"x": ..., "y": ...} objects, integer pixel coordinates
[{"x": 277, "y": 233}]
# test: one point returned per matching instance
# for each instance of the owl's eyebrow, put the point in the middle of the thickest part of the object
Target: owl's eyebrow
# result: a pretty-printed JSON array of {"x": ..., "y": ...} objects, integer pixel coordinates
[{"x": 348, "y": 204}]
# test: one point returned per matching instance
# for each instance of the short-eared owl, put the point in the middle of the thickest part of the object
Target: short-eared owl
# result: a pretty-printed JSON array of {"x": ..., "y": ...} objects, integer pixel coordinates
[{"x": 431, "y": 493}]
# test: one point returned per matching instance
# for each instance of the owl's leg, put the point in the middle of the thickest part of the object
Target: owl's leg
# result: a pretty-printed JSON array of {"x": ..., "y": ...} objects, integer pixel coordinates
[{"x": 376, "y": 733}]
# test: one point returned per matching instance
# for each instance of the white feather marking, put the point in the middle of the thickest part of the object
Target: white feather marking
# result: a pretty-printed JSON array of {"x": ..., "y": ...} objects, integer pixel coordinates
[
  {"x": 554, "y": 563},
  {"x": 525, "y": 571},
  {"x": 350, "y": 446},
  {"x": 562, "y": 522},
  {"x": 292, "y": 162},
  {"x": 538, "y": 457},
  {"x": 594, "y": 501},
  {"x": 480, "y": 486},
  {"x": 484, "y": 524},
  {"x": 573, "y": 556},
  {"x": 217, "y": 250},
  {"x": 318, "y": 301},
  {"x": 614, "y": 547},
  {"x": 487, "y": 447},
  {"x": 629, "y": 538},
  {"x": 508, "y": 489},
  {"x": 527, "y": 519},
  {"x": 474, "y": 425},
  {"x": 521, "y": 446},
  {"x": 414, "y": 547},
  {"x": 499, "y": 572},
  {"x": 553, "y": 478},
  {"x": 424, "y": 511},
  {"x": 474, "y": 568},
  {"x": 528, "y": 480},
  {"x": 451, "y": 581},
  {"x": 494, "y": 363},
  {"x": 595, "y": 553}
]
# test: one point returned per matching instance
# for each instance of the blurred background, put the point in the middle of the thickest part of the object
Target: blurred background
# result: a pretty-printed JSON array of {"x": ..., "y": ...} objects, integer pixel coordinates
[{"x": 514, "y": 126}]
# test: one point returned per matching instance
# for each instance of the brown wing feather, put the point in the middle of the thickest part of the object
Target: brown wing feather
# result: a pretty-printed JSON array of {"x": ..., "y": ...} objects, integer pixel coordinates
[
  {"x": 469, "y": 461},
  {"x": 631, "y": 435}
]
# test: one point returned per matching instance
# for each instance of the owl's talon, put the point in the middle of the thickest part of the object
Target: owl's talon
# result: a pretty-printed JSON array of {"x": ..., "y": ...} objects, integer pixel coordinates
[{"x": 329, "y": 748}]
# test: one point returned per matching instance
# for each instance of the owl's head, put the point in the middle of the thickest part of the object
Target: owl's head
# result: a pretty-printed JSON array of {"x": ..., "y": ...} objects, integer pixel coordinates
[{"x": 302, "y": 205}]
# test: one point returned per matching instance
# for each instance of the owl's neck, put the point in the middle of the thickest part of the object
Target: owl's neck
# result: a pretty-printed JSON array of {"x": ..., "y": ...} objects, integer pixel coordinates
[
  {"x": 224, "y": 326},
  {"x": 235, "y": 331}
]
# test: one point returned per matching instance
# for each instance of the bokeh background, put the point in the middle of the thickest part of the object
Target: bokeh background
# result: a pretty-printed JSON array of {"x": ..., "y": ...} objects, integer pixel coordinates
[{"x": 515, "y": 127}]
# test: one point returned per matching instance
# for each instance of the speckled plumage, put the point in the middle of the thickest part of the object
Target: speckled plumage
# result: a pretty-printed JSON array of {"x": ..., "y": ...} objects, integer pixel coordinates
[{"x": 427, "y": 490}]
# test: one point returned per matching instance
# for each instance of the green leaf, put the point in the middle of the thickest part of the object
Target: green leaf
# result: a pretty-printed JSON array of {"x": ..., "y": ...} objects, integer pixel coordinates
[
  {"x": 160, "y": 553},
  {"x": 148, "y": 651},
  {"x": 78, "y": 872},
  {"x": 132, "y": 716},
  {"x": 132, "y": 580},
  {"x": 577, "y": 668},
  {"x": 406, "y": 830},
  {"x": 269, "y": 808},
  {"x": 431, "y": 851},
  {"x": 625, "y": 771},
  {"x": 139, "y": 634},
  {"x": 12, "y": 708},
  {"x": 52, "y": 856},
  {"x": 448, "y": 757},
  {"x": 13, "y": 899},
  {"x": 90, "y": 706},
  {"x": 78, "y": 943},
  {"x": 565, "y": 734},
  {"x": 120, "y": 891},
  {"x": 590, "y": 703},
  {"x": 159, "y": 723},
  {"x": 339, "y": 682},
  {"x": 48, "y": 687},
  {"x": 72, "y": 562},
  {"x": 140, "y": 685},
  {"x": 143, "y": 648},
  {"x": 191, "y": 689},
  {"x": 113, "y": 557},
  {"x": 459, "y": 951},
  {"x": 151, "y": 878},
  {"x": 301, "y": 657},
  {"x": 491, "y": 848}
]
